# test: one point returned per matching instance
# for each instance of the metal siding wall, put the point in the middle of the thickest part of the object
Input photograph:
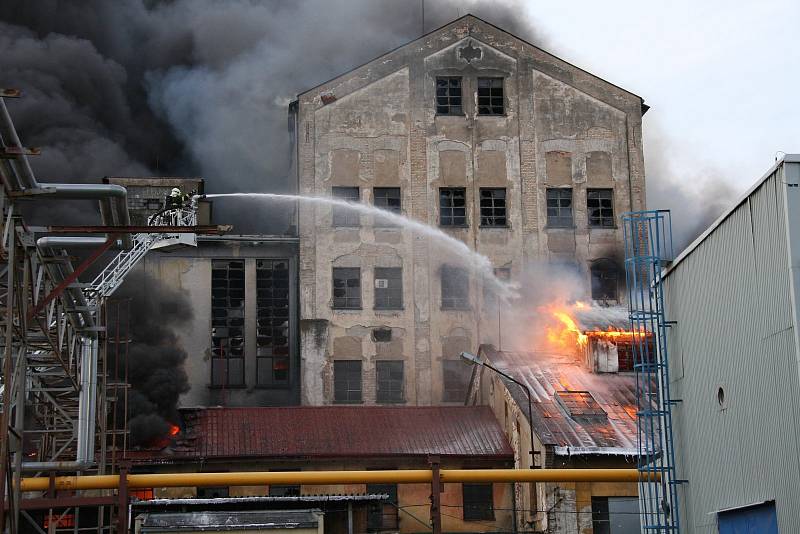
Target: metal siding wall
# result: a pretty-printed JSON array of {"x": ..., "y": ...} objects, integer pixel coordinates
[{"x": 735, "y": 330}]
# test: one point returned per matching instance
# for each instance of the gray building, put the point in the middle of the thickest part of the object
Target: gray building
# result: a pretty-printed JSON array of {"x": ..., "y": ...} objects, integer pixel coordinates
[
  {"x": 242, "y": 339},
  {"x": 735, "y": 362},
  {"x": 515, "y": 152}
]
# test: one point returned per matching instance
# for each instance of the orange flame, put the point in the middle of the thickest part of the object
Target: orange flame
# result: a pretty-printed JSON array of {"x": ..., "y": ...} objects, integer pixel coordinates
[
  {"x": 174, "y": 430},
  {"x": 564, "y": 333}
]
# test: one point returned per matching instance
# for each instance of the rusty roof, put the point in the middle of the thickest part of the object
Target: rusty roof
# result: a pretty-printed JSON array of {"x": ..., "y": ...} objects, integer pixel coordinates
[
  {"x": 340, "y": 431},
  {"x": 559, "y": 381}
]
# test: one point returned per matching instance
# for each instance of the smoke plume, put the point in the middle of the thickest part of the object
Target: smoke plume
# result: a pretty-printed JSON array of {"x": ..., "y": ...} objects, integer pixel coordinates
[
  {"x": 695, "y": 199},
  {"x": 193, "y": 87},
  {"x": 155, "y": 357}
]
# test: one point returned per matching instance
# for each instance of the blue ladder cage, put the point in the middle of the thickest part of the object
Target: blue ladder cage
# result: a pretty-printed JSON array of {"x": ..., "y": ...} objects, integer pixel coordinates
[{"x": 648, "y": 248}]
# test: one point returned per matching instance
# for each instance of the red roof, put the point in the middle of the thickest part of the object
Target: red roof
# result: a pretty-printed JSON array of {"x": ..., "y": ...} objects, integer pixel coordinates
[{"x": 341, "y": 431}]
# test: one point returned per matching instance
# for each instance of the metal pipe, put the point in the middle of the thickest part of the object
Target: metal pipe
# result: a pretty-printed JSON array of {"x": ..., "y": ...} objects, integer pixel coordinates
[
  {"x": 87, "y": 401},
  {"x": 408, "y": 476},
  {"x": 72, "y": 242},
  {"x": 71, "y": 465}
]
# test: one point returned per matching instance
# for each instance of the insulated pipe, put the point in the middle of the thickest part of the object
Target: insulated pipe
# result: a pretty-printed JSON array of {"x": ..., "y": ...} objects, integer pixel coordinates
[
  {"x": 87, "y": 400},
  {"x": 408, "y": 476},
  {"x": 72, "y": 242}
]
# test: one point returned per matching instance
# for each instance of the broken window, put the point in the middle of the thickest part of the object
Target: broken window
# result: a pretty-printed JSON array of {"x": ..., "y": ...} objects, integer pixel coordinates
[
  {"x": 580, "y": 404},
  {"x": 344, "y": 216},
  {"x": 559, "y": 207},
  {"x": 600, "y": 207},
  {"x": 493, "y": 206},
  {"x": 456, "y": 376},
  {"x": 388, "y": 288},
  {"x": 478, "y": 501},
  {"x": 605, "y": 276},
  {"x": 386, "y": 198},
  {"x": 272, "y": 315},
  {"x": 448, "y": 95},
  {"x": 227, "y": 324},
  {"x": 382, "y": 515},
  {"x": 347, "y": 288},
  {"x": 389, "y": 381},
  {"x": 347, "y": 381},
  {"x": 452, "y": 206},
  {"x": 455, "y": 288},
  {"x": 490, "y": 96}
]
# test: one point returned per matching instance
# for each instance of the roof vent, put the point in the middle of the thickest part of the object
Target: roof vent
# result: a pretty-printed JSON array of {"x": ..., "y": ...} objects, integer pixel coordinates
[{"x": 581, "y": 405}]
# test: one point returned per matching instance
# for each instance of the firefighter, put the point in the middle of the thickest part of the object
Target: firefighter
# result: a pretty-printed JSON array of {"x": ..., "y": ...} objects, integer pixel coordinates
[{"x": 175, "y": 200}]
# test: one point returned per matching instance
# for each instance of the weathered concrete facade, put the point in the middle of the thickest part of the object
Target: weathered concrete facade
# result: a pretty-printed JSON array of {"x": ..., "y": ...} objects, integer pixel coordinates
[{"x": 378, "y": 126}]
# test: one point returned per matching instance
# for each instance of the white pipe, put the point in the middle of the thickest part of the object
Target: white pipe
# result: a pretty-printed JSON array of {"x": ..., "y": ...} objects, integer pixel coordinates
[{"x": 87, "y": 400}]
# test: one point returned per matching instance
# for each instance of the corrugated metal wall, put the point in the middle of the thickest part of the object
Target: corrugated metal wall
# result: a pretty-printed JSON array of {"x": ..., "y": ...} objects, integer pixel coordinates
[{"x": 735, "y": 331}]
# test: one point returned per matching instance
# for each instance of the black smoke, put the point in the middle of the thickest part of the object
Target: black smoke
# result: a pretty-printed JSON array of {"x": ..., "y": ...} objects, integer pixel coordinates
[
  {"x": 155, "y": 357},
  {"x": 193, "y": 87}
]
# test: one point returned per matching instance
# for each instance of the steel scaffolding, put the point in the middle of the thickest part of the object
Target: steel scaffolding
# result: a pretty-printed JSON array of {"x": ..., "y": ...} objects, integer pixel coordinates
[
  {"x": 58, "y": 391},
  {"x": 648, "y": 246}
]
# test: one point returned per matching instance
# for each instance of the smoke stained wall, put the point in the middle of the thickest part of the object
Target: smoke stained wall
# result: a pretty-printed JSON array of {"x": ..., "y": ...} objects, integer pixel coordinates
[{"x": 155, "y": 357}]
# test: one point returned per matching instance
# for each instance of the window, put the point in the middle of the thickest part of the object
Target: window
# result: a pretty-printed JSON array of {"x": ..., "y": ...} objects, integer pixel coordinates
[
  {"x": 388, "y": 288},
  {"x": 343, "y": 216},
  {"x": 283, "y": 490},
  {"x": 615, "y": 515},
  {"x": 493, "y": 207},
  {"x": 600, "y": 206},
  {"x": 478, "y": 501},
  {"x": 347, "y": 380},
  {"x": 272, "y": 316},
  {"x": 382, "y": 515},
  {"x": 389, "y": 381},
  {"x": 455, "y": 288},
  {"x": 448, "y": 95},
  {"x": 153, "y": 204},
  {"x": 457, "y": 374},
  {"x": 227, "y": 323},
  {"x": 347, "y": 288},
  {"x": 559, "y": 207},
  {"x": 604, "y": 280},
  {"x": 452, "y": 206},
  {"x": 489, "y": 289},
  {"x": 386, "y": 198},
  {"x": 490, "y": 96}
]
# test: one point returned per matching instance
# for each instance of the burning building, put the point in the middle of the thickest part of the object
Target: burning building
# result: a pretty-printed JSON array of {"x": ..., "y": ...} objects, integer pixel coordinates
[
  {"x": 510, "y": 150},
  {"x": 579, "y": 418}
]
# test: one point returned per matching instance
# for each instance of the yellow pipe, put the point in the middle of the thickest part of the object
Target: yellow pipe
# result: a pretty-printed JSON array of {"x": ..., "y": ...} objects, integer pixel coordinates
[{"x": 257, "y": 478}]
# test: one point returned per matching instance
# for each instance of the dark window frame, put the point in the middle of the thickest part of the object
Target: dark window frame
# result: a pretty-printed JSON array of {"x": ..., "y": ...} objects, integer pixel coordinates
[
  {"x": 273, "y": 316},
  {"x": 391, "y": 297},
  {"x": 600, "y": 208},
  {"x": 493, "y": 205},
  {"x": 344, "y": 378},
  {"x": 383, "y": 515},
  {"x": 454, "y": 282},
  {"x": 349, "y": 294},
  {"x": 560, "y": 201},
  {"x": 474, "y": 500},
  {"x": 342, "y": 217},
  {"x": 227, "y": 323},
  {"x": 449, "y": 96},
  {"x": 491, "y": 96},
  {"x": 389, "y": 199},
  {"x": 453, "y": 207},
  {"x": 456, "y": 375},
  {"x": 389, "y": 389},
  {"x": 604, "y": 281}
]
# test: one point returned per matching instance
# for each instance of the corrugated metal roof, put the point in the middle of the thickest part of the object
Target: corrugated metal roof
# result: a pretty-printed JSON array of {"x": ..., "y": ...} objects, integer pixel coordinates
[
  {"x": 341, "y": 431},
  {"x": 261, "y": 520},
  {"x": 594, "y": 318},
  {"x": 546, "y": 374}
]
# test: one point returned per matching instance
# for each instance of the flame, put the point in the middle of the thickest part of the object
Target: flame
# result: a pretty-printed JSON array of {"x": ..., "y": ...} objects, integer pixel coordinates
[
  {"x": 174, "y": 430},
  {"x": 563, "y": 332}
]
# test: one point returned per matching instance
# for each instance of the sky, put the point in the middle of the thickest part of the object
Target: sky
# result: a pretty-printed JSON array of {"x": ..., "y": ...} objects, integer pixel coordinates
[{"x": 722, "y": 79}]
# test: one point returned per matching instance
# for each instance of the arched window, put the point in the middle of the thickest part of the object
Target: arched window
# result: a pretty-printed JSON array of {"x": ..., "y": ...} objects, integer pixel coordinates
[{"x": 605, "y": 280}]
